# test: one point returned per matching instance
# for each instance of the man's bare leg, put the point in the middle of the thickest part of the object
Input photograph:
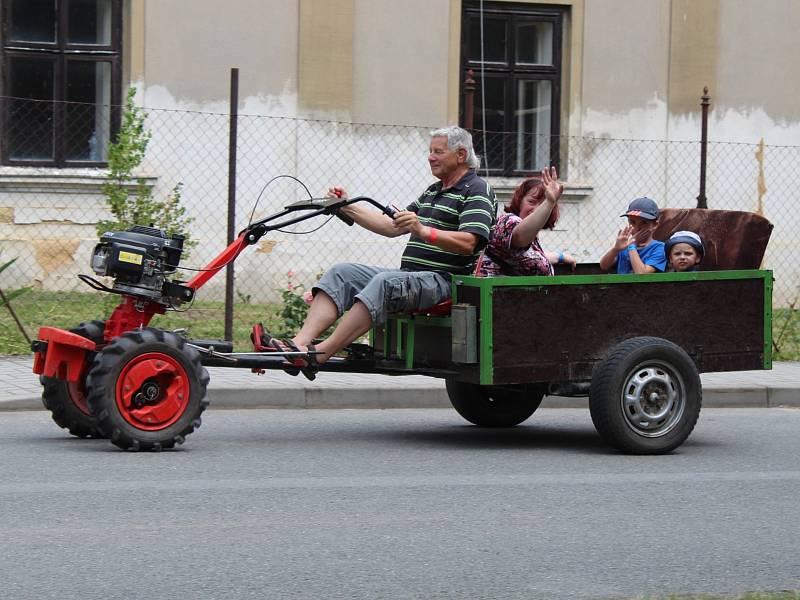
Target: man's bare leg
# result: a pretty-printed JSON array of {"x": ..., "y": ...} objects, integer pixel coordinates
[
  {"x": 355, "y": 323},
  {"x": 321, "y": 314}
]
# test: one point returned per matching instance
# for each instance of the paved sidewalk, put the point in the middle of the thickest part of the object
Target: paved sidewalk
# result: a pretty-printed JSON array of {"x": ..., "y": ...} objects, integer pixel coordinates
[{"x": 239, "y": 388}]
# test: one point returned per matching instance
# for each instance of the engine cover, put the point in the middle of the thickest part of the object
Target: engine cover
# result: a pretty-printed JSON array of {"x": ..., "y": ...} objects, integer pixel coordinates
[{"x": 138, "y": 259}]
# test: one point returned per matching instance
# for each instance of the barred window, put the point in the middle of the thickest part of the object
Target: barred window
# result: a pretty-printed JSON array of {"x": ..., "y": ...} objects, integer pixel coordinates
[
  {"x": 61, "y": 80},
  {"x": 520, "y": 59}
]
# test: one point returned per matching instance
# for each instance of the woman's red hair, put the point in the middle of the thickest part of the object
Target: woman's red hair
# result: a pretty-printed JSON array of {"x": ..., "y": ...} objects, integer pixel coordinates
[{"x": 522, "y": 190}]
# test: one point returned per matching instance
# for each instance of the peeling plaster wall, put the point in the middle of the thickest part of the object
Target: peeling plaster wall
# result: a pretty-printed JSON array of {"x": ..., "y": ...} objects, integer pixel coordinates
[
  {"x": 190, "y": 58},
  {"x": 643, "y": 65},
  {"x": 400, "y": 70},
  {"x": 189, "y": 72}
]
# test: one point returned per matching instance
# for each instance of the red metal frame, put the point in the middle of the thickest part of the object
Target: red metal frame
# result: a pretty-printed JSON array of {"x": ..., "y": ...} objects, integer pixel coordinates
[
  {"x": 223, "y": 258},
  {"x": 65, "y": 357}
]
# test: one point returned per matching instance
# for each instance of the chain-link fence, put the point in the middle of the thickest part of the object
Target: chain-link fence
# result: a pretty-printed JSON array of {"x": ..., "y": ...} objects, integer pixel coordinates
[{"x": 48, "y": 215}]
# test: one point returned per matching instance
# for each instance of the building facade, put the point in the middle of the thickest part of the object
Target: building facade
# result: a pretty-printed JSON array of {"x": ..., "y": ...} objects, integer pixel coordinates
[{"x": 334, "y": 91}]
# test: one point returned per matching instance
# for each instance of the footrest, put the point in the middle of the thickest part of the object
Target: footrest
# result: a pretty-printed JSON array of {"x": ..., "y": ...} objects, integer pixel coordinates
[{"x": 257, "y": 336}]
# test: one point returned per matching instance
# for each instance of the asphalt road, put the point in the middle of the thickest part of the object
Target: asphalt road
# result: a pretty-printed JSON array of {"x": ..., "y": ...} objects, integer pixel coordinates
[{"x": 399, "y": 504}]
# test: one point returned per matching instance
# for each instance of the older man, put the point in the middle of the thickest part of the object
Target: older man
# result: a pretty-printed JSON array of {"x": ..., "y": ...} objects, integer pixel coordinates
[{"x": 449, "y": 225}]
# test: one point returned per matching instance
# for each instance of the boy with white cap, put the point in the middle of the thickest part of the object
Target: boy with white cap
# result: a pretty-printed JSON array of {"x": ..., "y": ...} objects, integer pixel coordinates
[
  {"x": 635, "y": 250},
  {"x": 685, "y": 250}
]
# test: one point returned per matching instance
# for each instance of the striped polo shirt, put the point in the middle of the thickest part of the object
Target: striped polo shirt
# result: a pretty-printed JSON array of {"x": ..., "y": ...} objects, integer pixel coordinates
[{"x": 469, "y": 205}]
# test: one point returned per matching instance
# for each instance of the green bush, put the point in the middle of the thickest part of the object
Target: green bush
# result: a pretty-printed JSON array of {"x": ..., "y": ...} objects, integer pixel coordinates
[
  {"x": 294, "y": 308},
  {"x": 137, "y": 206}
]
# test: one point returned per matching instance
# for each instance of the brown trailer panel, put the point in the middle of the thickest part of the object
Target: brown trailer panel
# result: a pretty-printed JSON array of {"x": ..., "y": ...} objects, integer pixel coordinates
[{"x": 557, "y": 328}]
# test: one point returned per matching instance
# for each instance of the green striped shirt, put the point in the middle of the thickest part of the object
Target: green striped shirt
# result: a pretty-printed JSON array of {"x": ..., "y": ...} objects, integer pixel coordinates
[{"x": 469, "y": 205}]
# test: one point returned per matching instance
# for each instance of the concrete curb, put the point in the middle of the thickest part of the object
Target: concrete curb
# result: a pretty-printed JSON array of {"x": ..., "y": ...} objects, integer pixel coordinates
[
  {"x": 383, "y": 398},
  {"x": 235, "y": 388}
]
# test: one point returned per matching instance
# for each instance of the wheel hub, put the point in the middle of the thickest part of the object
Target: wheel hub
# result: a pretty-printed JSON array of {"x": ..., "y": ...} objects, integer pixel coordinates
[
  {"x": 149, "y": 394},
  {"x": 653, "y": 400},
  {"x": 153, "y": 391}
]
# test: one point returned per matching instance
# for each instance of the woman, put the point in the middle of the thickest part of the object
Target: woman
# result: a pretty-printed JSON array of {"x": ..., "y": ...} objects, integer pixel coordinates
[{"x": 514, "y": 248}]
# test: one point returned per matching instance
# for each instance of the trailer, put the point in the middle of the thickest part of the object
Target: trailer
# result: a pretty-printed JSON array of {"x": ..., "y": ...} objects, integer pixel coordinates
[{"x": 634, "y": 344}]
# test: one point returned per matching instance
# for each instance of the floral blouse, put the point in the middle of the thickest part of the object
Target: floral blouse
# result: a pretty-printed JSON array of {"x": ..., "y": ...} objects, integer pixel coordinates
[{"x": 501, "y": 258}]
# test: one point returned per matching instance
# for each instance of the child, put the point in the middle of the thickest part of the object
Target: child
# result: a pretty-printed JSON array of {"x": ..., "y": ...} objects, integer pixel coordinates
[
  {"x": 685, "y": 250},
  {"x": 635, "y": 250}
]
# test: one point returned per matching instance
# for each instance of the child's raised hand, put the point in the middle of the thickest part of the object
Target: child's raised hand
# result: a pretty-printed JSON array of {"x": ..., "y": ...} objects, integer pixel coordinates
[{"x": 624, "y": 238}]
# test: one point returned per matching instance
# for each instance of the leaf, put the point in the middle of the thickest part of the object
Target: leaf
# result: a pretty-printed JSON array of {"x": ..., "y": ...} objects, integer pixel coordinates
[
  {"x": 14, "y": 293},
  {"x": 4, "y": 266}
]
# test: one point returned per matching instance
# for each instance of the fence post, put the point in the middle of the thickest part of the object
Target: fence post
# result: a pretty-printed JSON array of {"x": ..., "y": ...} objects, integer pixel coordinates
[
  {"x": 232, "y": 136},
  {"x": 469, "y": 100},
  {"x": 704, "y": 102}
]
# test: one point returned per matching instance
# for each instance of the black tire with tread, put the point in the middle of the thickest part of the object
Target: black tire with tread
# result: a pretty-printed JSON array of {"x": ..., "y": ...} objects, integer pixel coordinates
[
  {"x": 57, "y": 398},
  {"x": 494, "y": 406},
  {"x": 102, "y": 380},
  {"x": 610, "y": 377}
]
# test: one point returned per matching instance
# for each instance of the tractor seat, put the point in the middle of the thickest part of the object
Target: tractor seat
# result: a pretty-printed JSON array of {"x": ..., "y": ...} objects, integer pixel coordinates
[{"x": 437, "y": 310}]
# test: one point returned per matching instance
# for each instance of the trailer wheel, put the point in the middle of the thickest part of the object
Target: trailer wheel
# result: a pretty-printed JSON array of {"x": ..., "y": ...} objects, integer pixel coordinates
[
  {"x": 66, "y": 400},
  {"x": 645, "y": 396},
  {"x": 148, "y": 390},
  {"x": 494, "y": 406}
]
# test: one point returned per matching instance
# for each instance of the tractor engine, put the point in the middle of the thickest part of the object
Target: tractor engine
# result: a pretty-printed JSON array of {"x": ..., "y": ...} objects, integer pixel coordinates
[{"x": 139, "y": 260}]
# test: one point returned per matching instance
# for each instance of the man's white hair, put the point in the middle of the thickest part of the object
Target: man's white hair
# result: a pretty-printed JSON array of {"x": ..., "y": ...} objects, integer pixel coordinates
[{"x": 458, "y": 137}]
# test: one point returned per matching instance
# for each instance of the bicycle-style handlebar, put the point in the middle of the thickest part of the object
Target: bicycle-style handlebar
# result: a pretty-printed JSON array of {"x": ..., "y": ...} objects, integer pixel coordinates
[{"x": 313, "y": 207}]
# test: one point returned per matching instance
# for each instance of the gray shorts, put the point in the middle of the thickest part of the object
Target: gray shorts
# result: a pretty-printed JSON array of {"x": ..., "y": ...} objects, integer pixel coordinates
[{"x": 382, "y": 291}]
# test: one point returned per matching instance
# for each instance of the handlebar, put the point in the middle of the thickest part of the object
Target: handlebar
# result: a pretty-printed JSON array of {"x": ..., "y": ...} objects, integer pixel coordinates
[
  {"x": 332, "y": 206},
  {"x": 318, "y": 206}
]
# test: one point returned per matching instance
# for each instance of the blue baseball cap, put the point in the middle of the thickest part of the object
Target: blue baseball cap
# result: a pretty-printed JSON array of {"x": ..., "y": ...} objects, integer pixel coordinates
[{"x": 642, "y": 207}]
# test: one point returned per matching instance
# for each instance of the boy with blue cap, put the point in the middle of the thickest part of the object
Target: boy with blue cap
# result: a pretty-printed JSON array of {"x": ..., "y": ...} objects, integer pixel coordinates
[{"x": 635, "y": 250}]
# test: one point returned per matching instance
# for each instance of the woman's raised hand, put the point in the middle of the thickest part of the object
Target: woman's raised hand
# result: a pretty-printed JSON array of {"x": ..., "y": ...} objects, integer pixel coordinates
[{"x": 552, "y": 187}]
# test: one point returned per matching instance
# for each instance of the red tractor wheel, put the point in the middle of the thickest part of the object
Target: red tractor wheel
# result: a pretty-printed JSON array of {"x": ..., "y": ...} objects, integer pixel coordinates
[
  {"x": 148, "y": 390},
  {"x": 66, "y": 400}
]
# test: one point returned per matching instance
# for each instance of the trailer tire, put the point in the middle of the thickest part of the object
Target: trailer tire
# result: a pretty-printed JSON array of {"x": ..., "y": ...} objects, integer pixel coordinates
[
  {"x": 494, "y": 406},
  {"x": 645, "y": 396},
  {"x": 66, "y": 400},
  {"x": 148, "y": 389}
]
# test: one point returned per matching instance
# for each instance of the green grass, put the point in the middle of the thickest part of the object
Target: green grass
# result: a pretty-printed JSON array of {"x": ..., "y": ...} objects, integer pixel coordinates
[
  {"x": 67, "y": 309},
  {"x": 207, "y": 320},
  {"x": 786, "y": 333}
]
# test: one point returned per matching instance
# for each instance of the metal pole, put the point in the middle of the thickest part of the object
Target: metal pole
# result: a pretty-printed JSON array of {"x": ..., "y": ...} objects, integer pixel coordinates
[
  {"x": 704, "y": 102},
  {"x": 16, "y": 319},
  {"x": 232, "y": 136},
  {"x": 469, "y": 100}
]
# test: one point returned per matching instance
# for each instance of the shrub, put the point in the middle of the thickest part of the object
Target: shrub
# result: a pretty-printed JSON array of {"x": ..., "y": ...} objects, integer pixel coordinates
[{"x": 138, "y": 206}]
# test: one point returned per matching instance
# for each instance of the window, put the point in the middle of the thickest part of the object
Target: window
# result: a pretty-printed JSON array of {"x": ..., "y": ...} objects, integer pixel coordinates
[
  {"x": 521, "y": 84},
  {"x": 61, "y": 80}
]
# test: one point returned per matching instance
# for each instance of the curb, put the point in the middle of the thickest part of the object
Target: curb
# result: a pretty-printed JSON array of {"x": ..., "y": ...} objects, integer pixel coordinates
[
  {"x": 20, "y": 390},
  {"x": 387, "y": 398}
]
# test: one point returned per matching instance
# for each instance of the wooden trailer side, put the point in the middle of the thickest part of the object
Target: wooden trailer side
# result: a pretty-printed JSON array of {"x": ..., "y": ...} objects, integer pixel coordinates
[{"x": 558, "y": 328}]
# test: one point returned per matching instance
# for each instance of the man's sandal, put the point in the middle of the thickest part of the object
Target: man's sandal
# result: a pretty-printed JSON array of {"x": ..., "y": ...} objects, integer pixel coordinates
[{"x": 308, "y": 364}]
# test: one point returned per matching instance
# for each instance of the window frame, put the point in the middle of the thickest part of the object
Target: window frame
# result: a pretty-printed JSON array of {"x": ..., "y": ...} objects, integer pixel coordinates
[
  {"x": 60, "y": 52},
  {"x": 514, "y": 14}
]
